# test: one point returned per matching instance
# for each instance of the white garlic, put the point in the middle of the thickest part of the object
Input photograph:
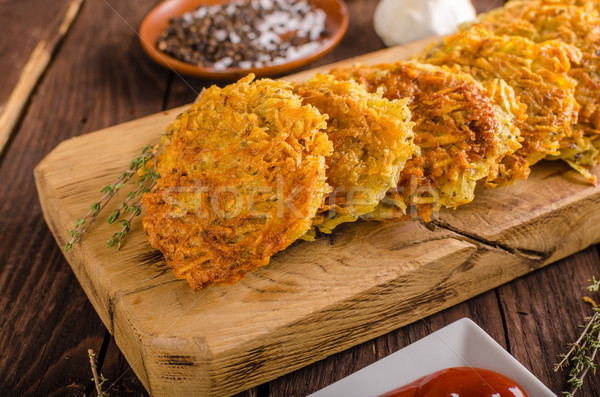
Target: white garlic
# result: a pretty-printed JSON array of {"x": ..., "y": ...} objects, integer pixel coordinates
[{"x": 403, "y": 21}]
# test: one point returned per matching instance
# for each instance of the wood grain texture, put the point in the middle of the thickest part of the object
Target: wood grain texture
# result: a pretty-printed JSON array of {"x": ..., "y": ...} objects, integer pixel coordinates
[
  {"x": 122, "y": 296},
  {"x": 543, "y": 311},
  {"x": 33, "y": 70},
  {"x": 556, "y": 199},
  {"x": 486, "y": 5},
  {"x": 483, "y": 309},
  {"x": 46, "y": 320},
  {"x": 314, "y": 299},
  {"x": 24, "y": 25}
]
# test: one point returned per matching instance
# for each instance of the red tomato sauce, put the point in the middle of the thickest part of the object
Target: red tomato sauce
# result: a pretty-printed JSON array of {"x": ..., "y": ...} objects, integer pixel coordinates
[{"x": 460, "y": 382}]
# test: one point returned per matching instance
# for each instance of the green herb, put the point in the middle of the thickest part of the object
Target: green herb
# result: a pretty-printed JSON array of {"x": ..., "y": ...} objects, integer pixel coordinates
[
  {"x": 132, "y": 204},
  {"x": 584, "y": 350},
  {"x": 99, "y": 380}
]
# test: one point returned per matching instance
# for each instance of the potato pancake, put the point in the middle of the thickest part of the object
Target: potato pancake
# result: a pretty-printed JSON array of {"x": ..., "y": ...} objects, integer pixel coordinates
[
  {"x": 243, "y": 172},
  {"x": 372, "y": 140},
  {"x": 538, "y": 73},
  {"x": 462, "y": 134},
  {"x": 572, "y": 24}
]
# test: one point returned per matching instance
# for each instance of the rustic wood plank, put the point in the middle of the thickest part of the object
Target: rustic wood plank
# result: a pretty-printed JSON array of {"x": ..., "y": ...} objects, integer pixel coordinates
[
  {"x": 96, "y": 80},
  {"x": 112, "y": 292},
  {"x": 483, "y": 309},
  {"x": 543, "y": 311},
  {"x": 107, "y": 295},
  {"x": 155, "y": 318},
  {"x": 39, "y": 299},
  {"x": 17, "y": 261},
  {"x": 33, "y": 70},
  {"x": 24, "y": 24},
  {"x": 360, "y": 38},
  {"x": 553, "y": 294},
  {"x": 524, "y": 214},
  {"x": 486, "y": 5},
  {"x": 122, "y": 379}
]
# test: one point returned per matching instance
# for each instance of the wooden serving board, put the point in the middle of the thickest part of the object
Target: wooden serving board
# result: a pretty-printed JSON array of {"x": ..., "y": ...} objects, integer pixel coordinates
[{"x": 314, "y": 299}]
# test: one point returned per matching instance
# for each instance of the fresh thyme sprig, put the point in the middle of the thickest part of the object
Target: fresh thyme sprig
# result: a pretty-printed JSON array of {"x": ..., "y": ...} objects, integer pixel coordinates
[
  {"x": 147, "y": 178},
  {"x": 584, "y": 350},
  {"x": 135, "y": 210}
]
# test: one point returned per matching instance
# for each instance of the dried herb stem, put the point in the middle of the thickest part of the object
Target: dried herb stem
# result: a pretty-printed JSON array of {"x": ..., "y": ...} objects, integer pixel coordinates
[
  {"x": 577, "y": 344},
  {"x": 584, "y": 351},
  {"x": 98, "y": 380}
]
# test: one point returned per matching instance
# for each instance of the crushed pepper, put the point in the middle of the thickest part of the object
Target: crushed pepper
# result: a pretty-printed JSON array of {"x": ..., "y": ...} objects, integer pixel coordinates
[{"x": 245, "y": 34}]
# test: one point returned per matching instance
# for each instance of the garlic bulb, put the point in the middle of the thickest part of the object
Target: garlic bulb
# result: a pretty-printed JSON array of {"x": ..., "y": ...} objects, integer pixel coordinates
[{"x": 403, "y": 21}]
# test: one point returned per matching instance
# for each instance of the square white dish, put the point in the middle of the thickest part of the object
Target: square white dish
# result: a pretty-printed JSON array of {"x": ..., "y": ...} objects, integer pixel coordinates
[{"x": 460, "y": 344}]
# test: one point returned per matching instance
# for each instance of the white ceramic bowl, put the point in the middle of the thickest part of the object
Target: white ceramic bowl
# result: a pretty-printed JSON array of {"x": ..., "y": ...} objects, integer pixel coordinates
[{"x": 460, "y": 344}]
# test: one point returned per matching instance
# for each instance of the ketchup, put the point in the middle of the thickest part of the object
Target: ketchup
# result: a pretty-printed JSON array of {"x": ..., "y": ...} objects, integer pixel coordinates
[{"x": 460, "y": 382}]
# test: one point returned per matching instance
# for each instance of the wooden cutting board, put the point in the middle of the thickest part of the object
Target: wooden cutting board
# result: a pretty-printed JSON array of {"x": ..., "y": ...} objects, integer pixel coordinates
[{"x": 314, "y": 299}]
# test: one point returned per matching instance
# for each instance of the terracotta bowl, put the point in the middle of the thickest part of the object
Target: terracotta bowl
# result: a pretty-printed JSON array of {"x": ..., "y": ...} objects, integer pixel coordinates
[{"x": 158, "y": 20}]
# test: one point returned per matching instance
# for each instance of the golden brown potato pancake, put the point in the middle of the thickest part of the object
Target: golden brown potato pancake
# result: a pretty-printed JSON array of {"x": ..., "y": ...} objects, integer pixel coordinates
[
  {"x": 462, "y": 134},
  {"x": 543, "y": 20},
  {"x": 581, "y": 151},
  {"x": 538, "y": 73},
  {"x": 372, "y": 140},
  {"x": 242, "y": 176}
]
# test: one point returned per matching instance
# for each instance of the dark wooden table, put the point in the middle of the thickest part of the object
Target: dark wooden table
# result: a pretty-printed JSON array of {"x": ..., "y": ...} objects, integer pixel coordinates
[{"x": 99, "y": 77}]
